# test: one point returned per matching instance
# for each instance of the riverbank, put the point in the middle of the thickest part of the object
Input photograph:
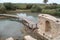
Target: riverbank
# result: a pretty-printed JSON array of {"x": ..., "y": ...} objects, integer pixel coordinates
[
  {"x": 16, "y": 11},
  {"x": 20, "y": 11}
]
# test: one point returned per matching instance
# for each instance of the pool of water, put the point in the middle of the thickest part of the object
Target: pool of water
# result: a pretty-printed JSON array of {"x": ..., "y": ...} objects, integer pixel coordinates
[
  {"x": 10, "y": 28},
  {"x": 33, "y": 16}
]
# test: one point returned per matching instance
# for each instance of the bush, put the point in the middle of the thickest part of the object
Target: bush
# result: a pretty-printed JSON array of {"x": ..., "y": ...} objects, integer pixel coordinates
[
  {"x": 29, "y": 6},
  {"x": 2, "y": 9},
  {"x": 58, "y": 9},
  {"x": 51, "y": 7},
  {"x": 9, "y": 6},
  {"x": 36, "y": 9},
  {"x": 57, "y": 14},
  {"x": 49, "y": 11},
  {"x": 52, "y": 12}
]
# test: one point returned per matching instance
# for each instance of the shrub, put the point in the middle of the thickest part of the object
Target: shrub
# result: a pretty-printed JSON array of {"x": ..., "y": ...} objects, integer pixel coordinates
[
  {"x": 29, "y": 6},
  {"x": 2, "y": 9},
  {"x": 50, "y": 7},
  {"x": 36, "y": 9},
  {"x": 57, "y": 14},
  {"x": 49, "y": 11},
  {"x": 9, "y": 6}
]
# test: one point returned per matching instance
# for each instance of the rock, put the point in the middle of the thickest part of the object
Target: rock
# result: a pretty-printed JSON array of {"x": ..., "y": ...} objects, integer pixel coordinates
[
  {"x": 28, "y": 37},
  {"x": 10, "y": 38}
]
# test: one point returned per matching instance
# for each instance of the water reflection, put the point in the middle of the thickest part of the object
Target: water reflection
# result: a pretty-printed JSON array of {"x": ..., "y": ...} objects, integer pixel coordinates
[{"x": 32, "y": 18}]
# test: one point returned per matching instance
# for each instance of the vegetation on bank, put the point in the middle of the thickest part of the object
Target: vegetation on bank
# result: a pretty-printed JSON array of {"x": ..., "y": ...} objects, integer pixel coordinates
[{"x": 53, "y": 9}]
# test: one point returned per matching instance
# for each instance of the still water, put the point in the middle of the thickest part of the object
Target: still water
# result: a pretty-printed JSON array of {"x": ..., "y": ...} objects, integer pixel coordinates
[{"x": 10, "y": 28}]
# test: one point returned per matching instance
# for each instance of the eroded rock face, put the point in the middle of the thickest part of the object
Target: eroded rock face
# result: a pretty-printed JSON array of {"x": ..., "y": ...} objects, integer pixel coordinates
[
  {"x": 49, "y": 26},
  {"x": 10, "y": 38}
]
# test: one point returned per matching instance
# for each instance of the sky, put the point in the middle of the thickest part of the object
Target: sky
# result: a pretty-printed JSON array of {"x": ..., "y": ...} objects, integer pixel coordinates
[{"x": 29, "y": 1}]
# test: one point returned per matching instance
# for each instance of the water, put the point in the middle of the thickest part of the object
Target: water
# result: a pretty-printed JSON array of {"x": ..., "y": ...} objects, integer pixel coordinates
[
  {"x": 10, "y": 28},
  {"x": 33, "y": 16}
]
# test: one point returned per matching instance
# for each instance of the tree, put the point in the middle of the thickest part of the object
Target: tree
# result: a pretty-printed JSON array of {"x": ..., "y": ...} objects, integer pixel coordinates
[
  {"x": 29, "y": 6},
  {"x": 50, "y": 7},
  {"x": 2, "y": 9},
  {"x": 36, "y": 8},
  {"x": 55, "y": 4},
  {"x": 9, "y": 6},
  {"x": 45, "y": 1}
]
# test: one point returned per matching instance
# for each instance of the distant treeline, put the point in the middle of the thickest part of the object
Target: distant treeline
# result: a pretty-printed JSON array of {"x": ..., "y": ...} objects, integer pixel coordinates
[{"x": 53, "y": 9}]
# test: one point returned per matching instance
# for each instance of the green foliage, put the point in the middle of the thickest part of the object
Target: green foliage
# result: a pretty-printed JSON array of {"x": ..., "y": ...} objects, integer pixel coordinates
[
  {"x": 29, "y": 6},
  {"x": 55, "y": 4},
  {"x": 51, "y": 7},
  {"x": 48, "y": 11},
  {"x": 9, "y": 6},
  {"x": 57, "y": 14},
  {"x": 36, "y": 9},
  {"x": 21, "y": 6},
  {"x": 2, "y": 9}
]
